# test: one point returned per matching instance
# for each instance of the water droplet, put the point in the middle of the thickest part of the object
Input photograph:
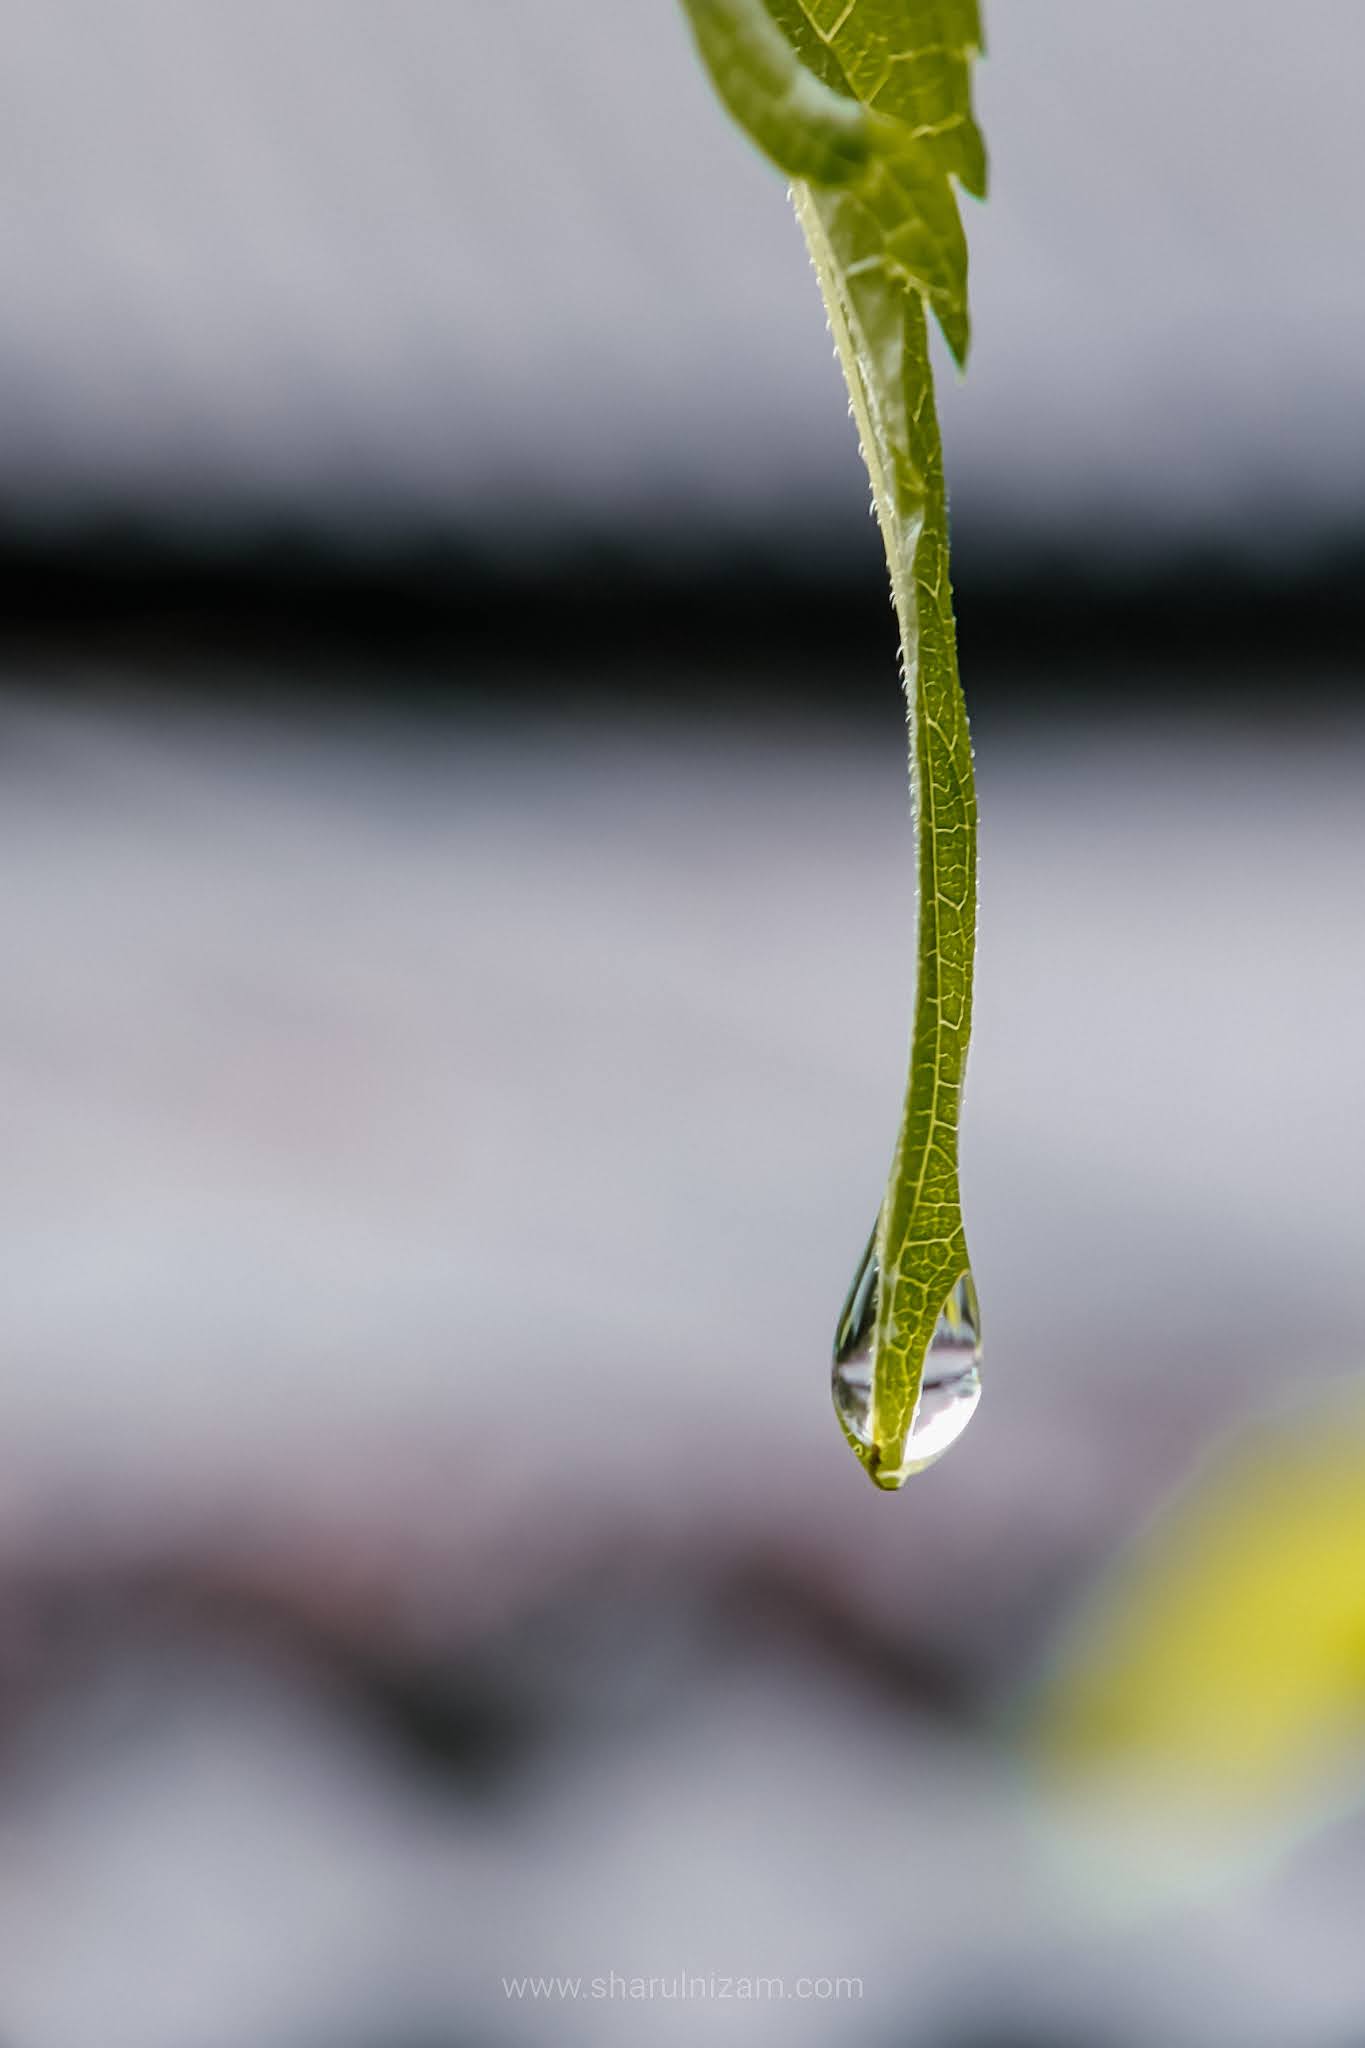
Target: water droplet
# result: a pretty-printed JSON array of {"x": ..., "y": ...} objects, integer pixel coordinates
[{"x": 949, "y": 1390}]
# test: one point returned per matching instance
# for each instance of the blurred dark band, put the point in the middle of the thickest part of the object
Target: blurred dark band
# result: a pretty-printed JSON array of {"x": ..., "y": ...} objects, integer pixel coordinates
[{"x": 441, "y": 619}]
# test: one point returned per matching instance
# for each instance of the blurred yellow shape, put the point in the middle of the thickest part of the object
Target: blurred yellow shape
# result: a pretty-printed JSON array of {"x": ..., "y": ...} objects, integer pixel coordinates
[{"x": 1219, "y": 1679}]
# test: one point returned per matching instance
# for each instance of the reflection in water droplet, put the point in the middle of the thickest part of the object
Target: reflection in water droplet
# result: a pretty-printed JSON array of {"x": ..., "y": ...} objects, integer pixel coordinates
[{"x": 949, "y": 1390}]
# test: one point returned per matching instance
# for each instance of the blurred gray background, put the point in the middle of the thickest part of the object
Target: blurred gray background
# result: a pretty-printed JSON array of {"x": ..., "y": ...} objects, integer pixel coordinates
[
  {"x": 498, "y": 266},
  {"x": 453, "y": 795}
]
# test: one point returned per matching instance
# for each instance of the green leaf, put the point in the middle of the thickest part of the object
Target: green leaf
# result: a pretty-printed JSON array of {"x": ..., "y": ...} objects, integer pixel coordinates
[
  {"x": 865, "y": 104},
  {"x": 809, "y": 127}
]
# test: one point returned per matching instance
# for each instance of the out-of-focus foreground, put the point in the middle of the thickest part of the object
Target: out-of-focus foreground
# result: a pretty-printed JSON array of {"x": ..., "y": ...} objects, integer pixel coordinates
[{"x": 448, "y": 1070}]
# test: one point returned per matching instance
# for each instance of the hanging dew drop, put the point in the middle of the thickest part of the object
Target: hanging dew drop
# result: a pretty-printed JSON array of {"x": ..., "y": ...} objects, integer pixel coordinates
[
  {"x": 853, "y": 1348},
  {"x": 949, "y": 1390}
]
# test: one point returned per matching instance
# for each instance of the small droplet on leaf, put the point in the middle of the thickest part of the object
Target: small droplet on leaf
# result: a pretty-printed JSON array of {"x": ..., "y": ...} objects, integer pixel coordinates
[{"x": 951, "y": 1386}]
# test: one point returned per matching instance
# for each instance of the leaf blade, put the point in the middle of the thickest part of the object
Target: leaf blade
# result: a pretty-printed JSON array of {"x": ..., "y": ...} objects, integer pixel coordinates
[{"x": 887, "y": 244}]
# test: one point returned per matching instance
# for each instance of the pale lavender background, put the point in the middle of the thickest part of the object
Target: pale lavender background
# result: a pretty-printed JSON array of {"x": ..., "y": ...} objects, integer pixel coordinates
[
  {"x": 432, "y": 1162},
  {"x": 500, "y": 265}
]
